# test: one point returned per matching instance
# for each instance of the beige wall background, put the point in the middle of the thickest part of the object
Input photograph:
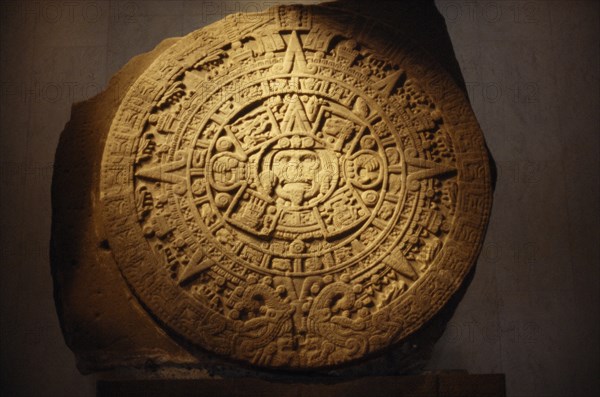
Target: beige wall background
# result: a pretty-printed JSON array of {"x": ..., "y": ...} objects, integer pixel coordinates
[{"x": 531, "y": 70}]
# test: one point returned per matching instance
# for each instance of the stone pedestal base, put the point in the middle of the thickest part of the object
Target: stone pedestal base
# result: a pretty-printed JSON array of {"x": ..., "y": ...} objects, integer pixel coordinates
[{"x": 453, "y": 384}]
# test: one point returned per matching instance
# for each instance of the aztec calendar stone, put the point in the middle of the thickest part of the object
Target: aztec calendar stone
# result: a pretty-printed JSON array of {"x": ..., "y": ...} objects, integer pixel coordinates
[{"x": 295, "y": 188}]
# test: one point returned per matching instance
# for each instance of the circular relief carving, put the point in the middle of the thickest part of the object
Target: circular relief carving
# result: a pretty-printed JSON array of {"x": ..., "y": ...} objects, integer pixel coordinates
[{"x": 280, "y": 192}]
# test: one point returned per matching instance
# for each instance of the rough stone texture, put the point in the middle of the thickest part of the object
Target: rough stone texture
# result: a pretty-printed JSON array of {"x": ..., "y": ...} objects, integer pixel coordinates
[
  {"x": 178, "y": 202},
  {"x": 101, "y": 319}
]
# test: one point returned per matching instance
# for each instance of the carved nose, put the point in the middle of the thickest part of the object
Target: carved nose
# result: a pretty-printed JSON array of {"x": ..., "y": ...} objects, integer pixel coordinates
[{"x": 293, "y": 170}]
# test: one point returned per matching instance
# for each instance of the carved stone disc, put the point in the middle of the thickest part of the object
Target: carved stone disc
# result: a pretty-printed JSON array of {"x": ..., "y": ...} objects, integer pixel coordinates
[{"x": 295, "y": 188}]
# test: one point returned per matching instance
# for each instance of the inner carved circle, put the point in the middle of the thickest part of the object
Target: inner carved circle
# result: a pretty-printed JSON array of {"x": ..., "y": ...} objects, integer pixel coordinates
[{"x": 299, "y": 170}]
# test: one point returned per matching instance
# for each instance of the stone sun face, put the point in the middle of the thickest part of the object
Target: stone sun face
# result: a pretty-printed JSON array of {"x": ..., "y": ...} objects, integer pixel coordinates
[
  {"x": 296, "y": 172},
  {"x": 297, "y": 197}
]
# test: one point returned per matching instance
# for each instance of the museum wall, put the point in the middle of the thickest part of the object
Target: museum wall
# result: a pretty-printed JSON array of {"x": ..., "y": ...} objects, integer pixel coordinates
[{"x": 531, "y": 72}]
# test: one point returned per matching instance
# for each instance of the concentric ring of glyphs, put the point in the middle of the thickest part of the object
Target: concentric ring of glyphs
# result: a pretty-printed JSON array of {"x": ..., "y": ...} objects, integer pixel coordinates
[{"x": 298, "y": 193}]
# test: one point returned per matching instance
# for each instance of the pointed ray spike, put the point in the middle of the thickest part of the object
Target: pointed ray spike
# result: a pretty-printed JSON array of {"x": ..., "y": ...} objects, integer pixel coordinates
[
  {"x": 166, "y": 172},
  {"x": 398, "y": 262},
  {"x": 430, "y": 173},
  {"x": 294, "y": 59},
  {"x": 295, "y": 118},
  {"x": 199, "y": 263},
  {"x": 421, "y": 169},
  {"x": 421, "y": 163},
  {"x": 387, "y": 84}
]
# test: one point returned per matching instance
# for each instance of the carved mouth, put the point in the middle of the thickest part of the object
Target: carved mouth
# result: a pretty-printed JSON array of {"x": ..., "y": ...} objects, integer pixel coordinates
[{"x": 296, "y": 184}]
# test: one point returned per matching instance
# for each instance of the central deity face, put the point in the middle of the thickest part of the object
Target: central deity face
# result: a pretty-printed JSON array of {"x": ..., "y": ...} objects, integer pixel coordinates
[{"x": 296, "y": 172}]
